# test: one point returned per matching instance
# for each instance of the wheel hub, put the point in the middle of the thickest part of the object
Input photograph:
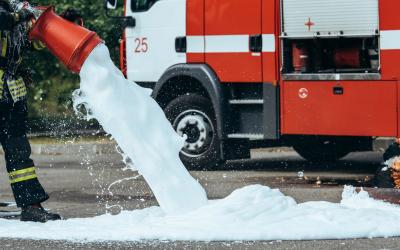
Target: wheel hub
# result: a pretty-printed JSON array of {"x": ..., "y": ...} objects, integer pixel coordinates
[{"x": 198, "y": 130}]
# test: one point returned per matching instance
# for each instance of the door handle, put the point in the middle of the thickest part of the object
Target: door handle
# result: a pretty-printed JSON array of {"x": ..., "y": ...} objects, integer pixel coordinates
[
  {"x": 255, "y": 43},
  {"x": 181, "y": 44},
  {"x": 338, "y": 90}
]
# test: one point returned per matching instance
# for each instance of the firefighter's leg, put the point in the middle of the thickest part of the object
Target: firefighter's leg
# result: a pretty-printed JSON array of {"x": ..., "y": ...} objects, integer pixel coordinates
[
  {"x": 24, "y": 182},
  {"x": 2, "y": 119}
]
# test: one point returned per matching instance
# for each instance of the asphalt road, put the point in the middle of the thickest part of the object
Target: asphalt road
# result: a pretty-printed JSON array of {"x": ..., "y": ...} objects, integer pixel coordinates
[{"x": 85, "y": 185}]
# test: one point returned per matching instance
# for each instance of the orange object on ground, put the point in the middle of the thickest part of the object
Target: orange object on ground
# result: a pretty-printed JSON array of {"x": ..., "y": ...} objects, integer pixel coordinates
[
  {"x": 396, "y": 178},
  {"x": 68, "y": 41},
  {"x": 395, "y": 173}
]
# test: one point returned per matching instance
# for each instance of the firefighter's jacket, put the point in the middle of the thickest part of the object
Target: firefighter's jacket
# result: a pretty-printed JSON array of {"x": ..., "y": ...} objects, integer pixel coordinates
[{"x": 12, "y": 85}]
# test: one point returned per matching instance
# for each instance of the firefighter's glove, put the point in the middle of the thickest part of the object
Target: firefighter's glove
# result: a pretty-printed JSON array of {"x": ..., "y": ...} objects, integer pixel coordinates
[
  {"x": 7, "y": 20},
  {"x": 72, "y": 15}
]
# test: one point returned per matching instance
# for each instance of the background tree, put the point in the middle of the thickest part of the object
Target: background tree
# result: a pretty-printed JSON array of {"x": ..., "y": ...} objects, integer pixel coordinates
[{"x": 50, "y": 95}]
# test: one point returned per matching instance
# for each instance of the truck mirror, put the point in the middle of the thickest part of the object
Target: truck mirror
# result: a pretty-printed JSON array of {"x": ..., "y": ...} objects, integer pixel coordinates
[
  {"x": 125, "y": 21},
  {"x": 111, "y": 4},
  {"x": 128, "y": 22}
]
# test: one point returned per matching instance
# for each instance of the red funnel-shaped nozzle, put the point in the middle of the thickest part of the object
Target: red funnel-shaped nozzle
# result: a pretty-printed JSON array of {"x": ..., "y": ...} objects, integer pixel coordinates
[{"x": 68, "y": 41}]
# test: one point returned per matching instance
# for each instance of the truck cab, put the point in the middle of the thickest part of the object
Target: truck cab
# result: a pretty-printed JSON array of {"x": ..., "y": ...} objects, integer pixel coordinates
[{"x": 231, "y": 75}]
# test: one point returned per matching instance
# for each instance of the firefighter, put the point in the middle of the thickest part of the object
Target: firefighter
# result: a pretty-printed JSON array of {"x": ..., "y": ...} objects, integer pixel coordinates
[{"x": 27, "y": 190}]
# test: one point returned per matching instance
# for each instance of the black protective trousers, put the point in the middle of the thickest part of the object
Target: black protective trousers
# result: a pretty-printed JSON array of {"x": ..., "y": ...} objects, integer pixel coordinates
[{"x": 17, "y": 150}]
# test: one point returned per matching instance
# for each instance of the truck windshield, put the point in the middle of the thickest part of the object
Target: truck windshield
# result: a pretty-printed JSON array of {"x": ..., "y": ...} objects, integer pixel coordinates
[{"x": 141, "y": 5}]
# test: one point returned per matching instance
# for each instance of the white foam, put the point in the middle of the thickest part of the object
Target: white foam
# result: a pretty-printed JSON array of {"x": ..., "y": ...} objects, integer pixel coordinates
[
  {"x": 251, "y": 213},
  {"x": 127, "y": 112}
]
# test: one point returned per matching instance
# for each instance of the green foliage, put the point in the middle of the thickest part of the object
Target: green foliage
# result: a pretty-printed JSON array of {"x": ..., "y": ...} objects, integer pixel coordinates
[{"x": 50, "y": 94}]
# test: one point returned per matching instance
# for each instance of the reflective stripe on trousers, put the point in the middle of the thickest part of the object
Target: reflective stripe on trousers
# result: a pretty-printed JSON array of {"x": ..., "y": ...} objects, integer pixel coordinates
[
  {"x": 22, "y": 175},
  {"x": 17, "y": 89}
]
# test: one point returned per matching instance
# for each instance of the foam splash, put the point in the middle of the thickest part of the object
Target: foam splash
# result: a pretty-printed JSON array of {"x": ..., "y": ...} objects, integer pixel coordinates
[{"x": 137, "y": 123}]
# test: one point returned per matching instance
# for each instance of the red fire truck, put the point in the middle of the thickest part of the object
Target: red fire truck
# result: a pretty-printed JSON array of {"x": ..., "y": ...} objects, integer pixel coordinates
[{"x": 320, "y": 76}]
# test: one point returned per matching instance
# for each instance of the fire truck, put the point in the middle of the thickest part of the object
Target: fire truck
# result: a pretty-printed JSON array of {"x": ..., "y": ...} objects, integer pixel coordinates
[{"x": 321, "y": 76}]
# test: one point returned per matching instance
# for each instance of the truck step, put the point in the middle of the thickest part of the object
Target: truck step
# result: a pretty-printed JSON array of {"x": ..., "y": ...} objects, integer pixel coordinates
[
  {"x": 246, "y": 136},
  {"x": 246, "y": 101}
]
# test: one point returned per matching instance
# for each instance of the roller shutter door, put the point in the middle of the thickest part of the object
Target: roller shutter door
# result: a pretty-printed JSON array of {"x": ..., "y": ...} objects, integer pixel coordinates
[{"x": 309, "y": 18}]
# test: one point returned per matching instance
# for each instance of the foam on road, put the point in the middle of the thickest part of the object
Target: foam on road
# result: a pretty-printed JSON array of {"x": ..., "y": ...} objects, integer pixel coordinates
[{"x": 251, "y": 213}]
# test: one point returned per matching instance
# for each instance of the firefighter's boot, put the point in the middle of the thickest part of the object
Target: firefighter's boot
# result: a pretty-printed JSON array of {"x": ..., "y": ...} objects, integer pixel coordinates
[{"x": 38, "y": 214}]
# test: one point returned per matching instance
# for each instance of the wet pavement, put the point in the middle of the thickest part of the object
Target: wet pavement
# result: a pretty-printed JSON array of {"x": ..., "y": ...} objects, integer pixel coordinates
[{"x": 86, "y": 185}]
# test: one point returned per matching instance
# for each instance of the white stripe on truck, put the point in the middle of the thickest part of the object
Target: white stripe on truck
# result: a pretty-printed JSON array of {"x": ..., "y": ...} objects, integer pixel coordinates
[
  {"x": 268, "y": 43},
  {"x": 390, "y": 39},
  {"x": 227, "y": 43},
  {"x": 195, "y": 44}
]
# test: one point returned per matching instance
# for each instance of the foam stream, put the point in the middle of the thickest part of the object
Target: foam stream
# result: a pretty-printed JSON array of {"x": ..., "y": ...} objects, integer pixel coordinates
[{"x": 128, "y": 113}]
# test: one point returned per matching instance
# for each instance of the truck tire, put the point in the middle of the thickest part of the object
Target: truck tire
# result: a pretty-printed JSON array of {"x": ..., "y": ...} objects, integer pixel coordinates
[
  {"x": 192, "y": 115},
  {"x": 322, "y": 150}
]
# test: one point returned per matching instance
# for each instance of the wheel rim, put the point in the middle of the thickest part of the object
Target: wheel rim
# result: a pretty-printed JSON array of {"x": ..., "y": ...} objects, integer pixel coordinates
[{"x": 198, "y": 129}]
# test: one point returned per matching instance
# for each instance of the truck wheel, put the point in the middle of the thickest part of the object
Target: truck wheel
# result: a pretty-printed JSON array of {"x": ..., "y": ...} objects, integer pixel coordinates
[
  {"x": 319, "y": 150},
  {"x": 192, "y": 115}
]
